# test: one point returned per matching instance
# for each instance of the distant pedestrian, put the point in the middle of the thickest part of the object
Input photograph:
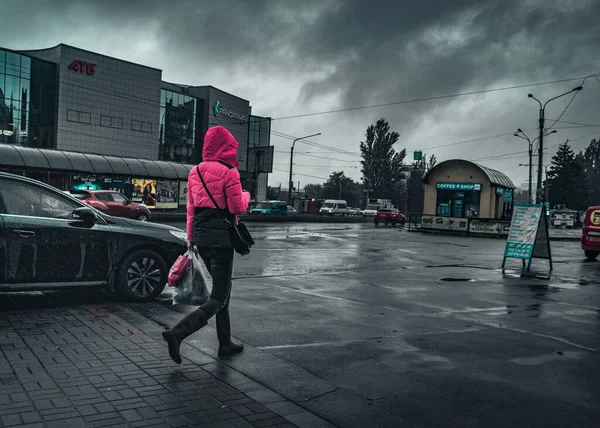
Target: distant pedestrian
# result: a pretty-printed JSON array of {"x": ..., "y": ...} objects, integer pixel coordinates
[{"x": 207, "y": 230}]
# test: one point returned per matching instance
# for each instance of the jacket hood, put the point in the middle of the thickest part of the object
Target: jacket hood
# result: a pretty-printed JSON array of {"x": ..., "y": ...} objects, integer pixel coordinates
[{"x": 220, "y": 145}]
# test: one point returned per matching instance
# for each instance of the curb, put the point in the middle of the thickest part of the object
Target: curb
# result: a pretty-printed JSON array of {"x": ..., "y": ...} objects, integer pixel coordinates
[{"x": 478, "y": 235}]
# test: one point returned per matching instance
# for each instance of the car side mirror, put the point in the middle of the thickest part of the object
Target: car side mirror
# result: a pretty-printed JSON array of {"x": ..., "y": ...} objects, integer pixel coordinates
[{"x": 84, "y": 214}]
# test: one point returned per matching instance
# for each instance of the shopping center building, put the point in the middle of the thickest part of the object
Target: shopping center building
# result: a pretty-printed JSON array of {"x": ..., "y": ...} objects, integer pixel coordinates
[{"x": 108, "y": 117}]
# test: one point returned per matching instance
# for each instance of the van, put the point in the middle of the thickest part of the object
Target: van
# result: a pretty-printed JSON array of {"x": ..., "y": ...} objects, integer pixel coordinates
[
  {"x": 590, "y": 237},
  {"x": 334, "y": 207},
  {"x": 270, "y": 208}
]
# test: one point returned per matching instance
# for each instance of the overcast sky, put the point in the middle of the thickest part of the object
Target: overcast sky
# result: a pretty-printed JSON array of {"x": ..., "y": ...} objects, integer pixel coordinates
[{"x": 292, "y": 57}]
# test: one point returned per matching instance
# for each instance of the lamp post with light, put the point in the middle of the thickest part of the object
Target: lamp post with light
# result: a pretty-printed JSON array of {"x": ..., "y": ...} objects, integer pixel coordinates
[
  {"x": 291, "y": 183},
  {"x": 539, "y": 195},
  {"x": 523, "y": 136}
]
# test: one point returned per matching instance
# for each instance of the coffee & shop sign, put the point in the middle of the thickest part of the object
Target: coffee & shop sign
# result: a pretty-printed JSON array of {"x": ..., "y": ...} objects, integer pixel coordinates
[{"x": 473, "y": 187}]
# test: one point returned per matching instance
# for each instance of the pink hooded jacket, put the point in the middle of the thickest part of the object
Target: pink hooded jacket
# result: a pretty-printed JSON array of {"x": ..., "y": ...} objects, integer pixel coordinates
[{"x": 224, "y": 183}]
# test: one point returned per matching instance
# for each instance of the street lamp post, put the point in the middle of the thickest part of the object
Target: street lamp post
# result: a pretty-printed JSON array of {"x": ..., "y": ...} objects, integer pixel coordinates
[
  {"x": 539, "y": 196},
  {"x": 525, "y": 137},
  {"x": 291, "y": 182}
]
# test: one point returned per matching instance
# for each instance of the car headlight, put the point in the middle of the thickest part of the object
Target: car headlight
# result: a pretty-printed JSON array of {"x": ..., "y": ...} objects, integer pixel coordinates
[{"x": 179, "y": 234}]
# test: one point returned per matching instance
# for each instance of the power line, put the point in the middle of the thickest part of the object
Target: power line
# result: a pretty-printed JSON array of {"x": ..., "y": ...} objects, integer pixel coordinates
[
  {"x": 483, "y": 91},
  {"x": 312, "y": 143},
  {"x": 577, "y": 123},
  {"x": 570, "y": 102},
  {"x": 303, "y": 175}
]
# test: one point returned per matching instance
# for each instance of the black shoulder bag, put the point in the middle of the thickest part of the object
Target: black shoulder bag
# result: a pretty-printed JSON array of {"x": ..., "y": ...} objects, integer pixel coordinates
[{"x": 241, "y": 240}]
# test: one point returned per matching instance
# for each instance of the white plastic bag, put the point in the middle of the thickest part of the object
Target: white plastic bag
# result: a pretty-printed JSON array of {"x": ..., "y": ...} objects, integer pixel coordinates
[{"x": 193, "y": 289}]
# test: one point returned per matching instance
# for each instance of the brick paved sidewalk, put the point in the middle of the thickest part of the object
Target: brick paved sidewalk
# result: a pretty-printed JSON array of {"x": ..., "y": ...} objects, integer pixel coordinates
[{"x": 83, "y": 366}]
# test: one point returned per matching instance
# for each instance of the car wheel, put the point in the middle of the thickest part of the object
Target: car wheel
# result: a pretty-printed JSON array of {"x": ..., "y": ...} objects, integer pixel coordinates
[
  {"x": 143, "y": 217},
  {"x": 591, "y": 255},
  {"x": 376, "y": 223},
  {"x": 393, "y": 224},
  {"x": 142, "y": 276}
]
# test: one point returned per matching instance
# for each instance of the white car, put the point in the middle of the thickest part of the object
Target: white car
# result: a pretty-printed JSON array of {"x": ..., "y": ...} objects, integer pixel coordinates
[
  {"x": 334, "y": 207},
  {"x": 291, "y": 210}
]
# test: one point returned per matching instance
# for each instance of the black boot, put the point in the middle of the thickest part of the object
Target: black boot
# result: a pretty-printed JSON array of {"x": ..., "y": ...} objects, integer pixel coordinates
[
  {"x": 226, "y": 346},
  {"x": 189, "y": 324}
]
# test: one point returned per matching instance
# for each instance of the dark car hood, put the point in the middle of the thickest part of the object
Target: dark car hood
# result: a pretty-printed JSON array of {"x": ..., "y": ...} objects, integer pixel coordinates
[{"x": 138, "y": 224}]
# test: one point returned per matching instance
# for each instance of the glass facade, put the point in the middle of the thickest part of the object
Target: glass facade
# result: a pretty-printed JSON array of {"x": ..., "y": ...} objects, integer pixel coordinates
[
  {"x": 27, "y": 100},
  {"x": 259, "y": 131},
  {"x": 177, "y": 127}
]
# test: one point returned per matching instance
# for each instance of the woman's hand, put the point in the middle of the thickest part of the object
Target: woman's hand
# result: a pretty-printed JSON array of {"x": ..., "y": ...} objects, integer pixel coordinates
[{"x": 191, "y": 245}]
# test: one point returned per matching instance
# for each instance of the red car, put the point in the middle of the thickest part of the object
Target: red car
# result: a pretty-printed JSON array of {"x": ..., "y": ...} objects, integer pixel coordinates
[
  {"x": 113, "y": 203},
  {"x": 590, "y": 238},
  {"x": 389, "y": 216}
]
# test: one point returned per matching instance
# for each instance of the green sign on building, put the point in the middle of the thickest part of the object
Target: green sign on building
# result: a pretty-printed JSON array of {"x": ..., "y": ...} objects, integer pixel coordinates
[{"x": 418, "y": 155}]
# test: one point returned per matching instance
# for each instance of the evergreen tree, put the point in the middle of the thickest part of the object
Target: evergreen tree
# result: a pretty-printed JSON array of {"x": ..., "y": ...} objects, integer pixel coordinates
[
  {"x": 383, "y": 168},
  {"x": 590, "y": 160},
  {"x": 567, "y": 183}
]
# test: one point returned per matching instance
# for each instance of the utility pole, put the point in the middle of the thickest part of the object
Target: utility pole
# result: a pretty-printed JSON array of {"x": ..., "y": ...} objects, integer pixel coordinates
[
  {"x": 539, "y": 193},
  {"x": 291, "y": 182},
  {"x": 340, "y": 197},
  {"x": 406, "y": 193},
  {"x": 523, "y": 136}
]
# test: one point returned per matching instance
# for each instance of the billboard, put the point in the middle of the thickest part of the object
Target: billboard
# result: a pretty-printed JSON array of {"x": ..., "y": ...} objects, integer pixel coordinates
[
  {"x": 144, "y": 191},
  {"x": 183, "y": 193},
  {"x": 167, "y": 193},
  {"x": 100, "y": 182}
]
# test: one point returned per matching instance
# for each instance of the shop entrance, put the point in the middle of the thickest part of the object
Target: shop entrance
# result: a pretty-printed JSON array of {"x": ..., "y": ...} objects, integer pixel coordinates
[{"x": 461, "y": 203}]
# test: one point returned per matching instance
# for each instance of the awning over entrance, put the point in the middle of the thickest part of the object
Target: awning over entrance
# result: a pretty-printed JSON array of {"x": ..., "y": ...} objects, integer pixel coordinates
[{"x": 59, "y": 160}]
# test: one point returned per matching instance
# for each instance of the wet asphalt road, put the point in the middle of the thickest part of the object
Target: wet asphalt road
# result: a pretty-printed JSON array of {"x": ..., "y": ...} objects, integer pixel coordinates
[{"x": 382, "y": 327}]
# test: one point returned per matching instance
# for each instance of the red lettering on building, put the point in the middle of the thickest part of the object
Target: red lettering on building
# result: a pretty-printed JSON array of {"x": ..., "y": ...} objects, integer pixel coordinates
[{"x": 83, "y": 67}]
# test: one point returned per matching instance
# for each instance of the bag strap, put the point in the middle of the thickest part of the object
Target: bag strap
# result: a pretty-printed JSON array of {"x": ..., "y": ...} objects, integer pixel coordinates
[
  {"x": 207, "y": 191},
  {"x": 228, "y": 165}
]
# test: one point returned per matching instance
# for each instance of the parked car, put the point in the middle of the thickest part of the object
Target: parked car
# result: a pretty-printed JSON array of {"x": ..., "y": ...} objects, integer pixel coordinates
[
  {"x": 49, "y": 239},
  {"x": 291, "y": 210},
  {"x": 590, "y": 237},
  {"x": 354, "y": 211},
  {"x": 389, "y": 216},
  {"x": 270, "y": 208},
  {"x": 113, "y": 203},
  {"x": 334, "y": 207}
]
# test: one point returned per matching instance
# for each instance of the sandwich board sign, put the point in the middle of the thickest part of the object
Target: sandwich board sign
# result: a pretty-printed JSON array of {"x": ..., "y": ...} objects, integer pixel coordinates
[{"x": 528, "y": 236}]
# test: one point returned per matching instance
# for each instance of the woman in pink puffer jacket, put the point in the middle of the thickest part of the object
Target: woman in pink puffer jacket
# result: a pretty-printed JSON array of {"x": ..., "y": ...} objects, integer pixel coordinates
[{"x": 207, "y": 230}]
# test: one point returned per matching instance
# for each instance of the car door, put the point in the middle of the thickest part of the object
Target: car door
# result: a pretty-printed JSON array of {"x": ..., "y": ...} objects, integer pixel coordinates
[
  {"x": 45, "y": 245},
  {"x": 121, "y": 205},
  {"x": 3, "y": 249},
  {"x": 106, "y": 199}
]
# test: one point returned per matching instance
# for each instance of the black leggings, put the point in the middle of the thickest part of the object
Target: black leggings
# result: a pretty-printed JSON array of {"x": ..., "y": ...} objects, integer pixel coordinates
[{"x": 219, "y": 263}]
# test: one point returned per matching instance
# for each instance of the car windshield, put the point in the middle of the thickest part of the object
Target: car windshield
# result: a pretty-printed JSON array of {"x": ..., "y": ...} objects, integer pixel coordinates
[
  {"x": 328, "y": 205},
  {"x": 263, "y": 206},
  {"x": 385, "y": 211}
]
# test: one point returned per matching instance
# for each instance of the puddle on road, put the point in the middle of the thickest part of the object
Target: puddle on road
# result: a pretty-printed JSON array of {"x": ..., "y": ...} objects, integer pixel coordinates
[
  {"x": 458, "y": 279},
  {"x": 546, "y": 358}
]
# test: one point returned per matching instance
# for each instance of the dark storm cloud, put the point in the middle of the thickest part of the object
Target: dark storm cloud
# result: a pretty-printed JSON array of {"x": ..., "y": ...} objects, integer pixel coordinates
[
  {"x": 348, "y": 53},
  {"x": 418, "y": 50}
]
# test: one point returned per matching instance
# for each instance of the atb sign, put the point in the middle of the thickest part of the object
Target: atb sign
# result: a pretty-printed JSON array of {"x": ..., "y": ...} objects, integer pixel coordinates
[{"x": 528, "y": 235}]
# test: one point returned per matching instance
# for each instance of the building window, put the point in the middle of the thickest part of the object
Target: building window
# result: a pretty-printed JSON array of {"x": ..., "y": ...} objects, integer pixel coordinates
[
  {"x": 79, "y": 116},
  {"x": 111, "y": 122},
  {"x": 177, "y": 130},
  {"x": 27, "y": 100},
  {"x": 139, "y": 126}
]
